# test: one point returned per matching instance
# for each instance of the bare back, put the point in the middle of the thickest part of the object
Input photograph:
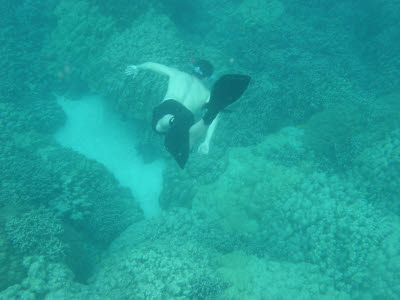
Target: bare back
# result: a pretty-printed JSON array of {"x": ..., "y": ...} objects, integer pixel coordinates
[{"x": 188, "y": 90}]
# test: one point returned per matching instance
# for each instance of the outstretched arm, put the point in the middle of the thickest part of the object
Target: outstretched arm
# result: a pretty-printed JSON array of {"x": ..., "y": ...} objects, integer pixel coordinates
[{"x": 159, "y": 68}]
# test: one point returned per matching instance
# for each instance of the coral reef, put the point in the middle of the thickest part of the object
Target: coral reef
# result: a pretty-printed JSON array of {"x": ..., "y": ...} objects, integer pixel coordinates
[
  {"x": 154, "y": 271},
  {"x": 328, "y": 131},
  {"x": 46, "y": 280},
  {"x": 251, "y": 177},
  {"x": 37, "y": 232},
  {"x": 80, "y": 33},
  {"x": 263, "y": 215},
  {"x": 123, "y": 12},
  {"x": 303, "y": 215},
  {"x": 39, "y": 115},
  {"x": 379, "y": 167},
  {"x": 91, "y": 198},
  {"x": 25, "y": 179},
  {"x": 141, "y": 264},
  {"x": 254, "y": 278},
  {"x": 24, "y": 26},
  {"x": 251, "y": 15},
  {"x": 180, "y": 187},
  {"x": 11, "y": 271}
]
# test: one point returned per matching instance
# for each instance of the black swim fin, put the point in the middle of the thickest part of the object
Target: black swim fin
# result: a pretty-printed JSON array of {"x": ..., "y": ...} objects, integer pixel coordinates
[
  {"x": 224, "y": 92},
  {"x": 177, "y": 138},
  {"x": 177, "y": 142}
]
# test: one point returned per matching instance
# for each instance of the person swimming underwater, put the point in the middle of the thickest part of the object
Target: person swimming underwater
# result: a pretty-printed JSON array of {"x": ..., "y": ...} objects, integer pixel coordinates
[{"x": 186, "y": 97}]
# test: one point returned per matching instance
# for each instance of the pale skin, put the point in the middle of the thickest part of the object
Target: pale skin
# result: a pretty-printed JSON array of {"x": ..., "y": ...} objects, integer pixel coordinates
[{"x": 190, "y": 92}]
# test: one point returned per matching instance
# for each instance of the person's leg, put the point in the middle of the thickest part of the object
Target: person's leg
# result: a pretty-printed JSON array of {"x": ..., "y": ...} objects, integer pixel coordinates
[{"x": 197, "y": 132}]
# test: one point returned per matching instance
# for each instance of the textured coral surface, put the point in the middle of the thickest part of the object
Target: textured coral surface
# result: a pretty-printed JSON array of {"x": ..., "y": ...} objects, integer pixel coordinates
[{"x": 297, "y": 199}]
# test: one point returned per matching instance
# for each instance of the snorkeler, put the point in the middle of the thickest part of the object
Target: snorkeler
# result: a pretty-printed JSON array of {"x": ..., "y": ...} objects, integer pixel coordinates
[{"x": 187, "y": 97}]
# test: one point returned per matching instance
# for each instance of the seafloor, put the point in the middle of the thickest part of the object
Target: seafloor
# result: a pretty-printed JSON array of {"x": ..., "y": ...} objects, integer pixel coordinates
[{"x": 299, "y": 197}]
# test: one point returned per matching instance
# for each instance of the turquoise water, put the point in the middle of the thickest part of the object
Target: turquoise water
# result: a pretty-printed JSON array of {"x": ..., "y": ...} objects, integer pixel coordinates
[
  {"x": 99, "y": 134},
  {"x": 298, "y": 197}
]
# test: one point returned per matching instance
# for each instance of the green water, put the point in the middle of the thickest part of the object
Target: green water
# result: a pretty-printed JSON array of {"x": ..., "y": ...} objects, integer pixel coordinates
[{"x": 298, "y": 197}]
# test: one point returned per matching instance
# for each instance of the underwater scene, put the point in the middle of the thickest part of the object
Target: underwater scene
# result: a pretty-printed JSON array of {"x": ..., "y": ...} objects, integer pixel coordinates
[{"x": 179, "y": 149}]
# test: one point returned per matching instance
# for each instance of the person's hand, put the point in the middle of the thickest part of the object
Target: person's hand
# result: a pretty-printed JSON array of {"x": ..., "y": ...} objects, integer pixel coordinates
[
  {"x": 131, "y": 70},
  {"x": 203, "y": 148}
]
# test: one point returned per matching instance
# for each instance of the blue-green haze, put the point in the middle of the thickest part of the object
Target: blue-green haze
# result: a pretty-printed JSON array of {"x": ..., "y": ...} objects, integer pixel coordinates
[{"x": 298, "y": 198}]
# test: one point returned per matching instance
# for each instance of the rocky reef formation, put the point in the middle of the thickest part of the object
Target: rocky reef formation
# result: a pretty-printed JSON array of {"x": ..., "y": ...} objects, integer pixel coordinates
[{"x": 302, "y": 177}]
